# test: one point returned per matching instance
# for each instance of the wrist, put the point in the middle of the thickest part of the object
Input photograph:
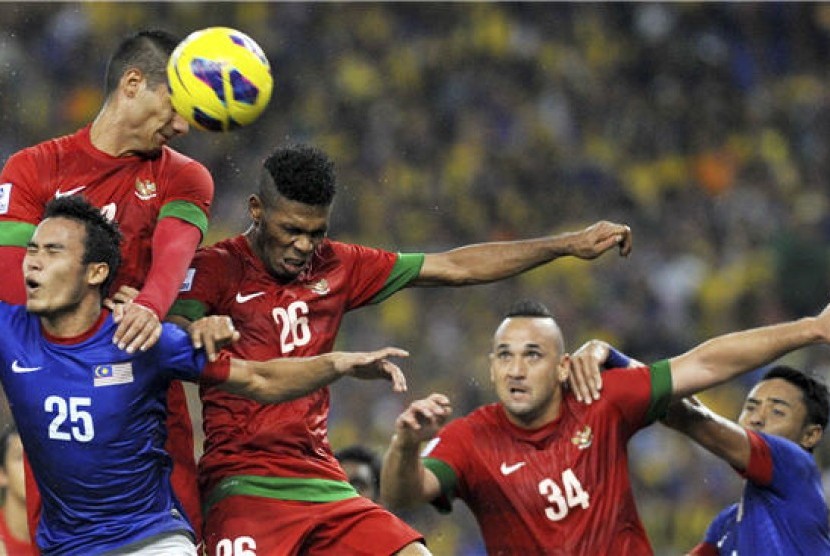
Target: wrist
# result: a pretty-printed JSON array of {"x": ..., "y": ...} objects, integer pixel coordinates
[
  {"x": 144, "y": 304},
  {"x": 616, "y": 359},
  {"x": 405, "y": 445}
]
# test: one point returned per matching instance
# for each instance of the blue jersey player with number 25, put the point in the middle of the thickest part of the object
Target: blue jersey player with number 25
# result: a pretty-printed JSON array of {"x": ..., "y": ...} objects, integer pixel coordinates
[{"x": 92, "y": 416}]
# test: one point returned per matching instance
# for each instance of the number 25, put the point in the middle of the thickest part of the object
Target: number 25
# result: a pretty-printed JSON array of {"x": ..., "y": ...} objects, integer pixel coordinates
[{"x": 81, "y": 428}]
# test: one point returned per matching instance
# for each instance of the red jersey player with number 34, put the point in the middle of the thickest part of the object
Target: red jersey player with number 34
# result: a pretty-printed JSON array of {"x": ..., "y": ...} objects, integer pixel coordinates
[{"x": 542, "y": 472}]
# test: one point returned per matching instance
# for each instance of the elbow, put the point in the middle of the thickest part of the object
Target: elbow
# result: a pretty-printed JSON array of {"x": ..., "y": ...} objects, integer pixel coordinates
[{"x": 266, "y": 391}]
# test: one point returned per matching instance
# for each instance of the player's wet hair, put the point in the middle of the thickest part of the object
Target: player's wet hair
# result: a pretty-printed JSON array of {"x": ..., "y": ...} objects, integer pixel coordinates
[
  {"x": 102, "y": 243},
  {"x": 814, "y": 392},
  {"x": 147, "y": 51},
  {"x": 362, "y": 454},
  {"x": 528, "y": 308},
  {"x": 299, "y": 173}
]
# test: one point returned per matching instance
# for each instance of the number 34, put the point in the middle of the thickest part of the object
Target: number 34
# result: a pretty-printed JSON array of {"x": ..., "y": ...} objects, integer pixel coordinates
[{"x": 561, "y": 504}]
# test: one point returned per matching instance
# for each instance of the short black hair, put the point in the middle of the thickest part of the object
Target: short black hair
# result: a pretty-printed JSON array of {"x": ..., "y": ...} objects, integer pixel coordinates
[
  {"x": 813, "y": 390},
  {"x": 147, "y": 51},
  {"x": 102, "y": 243},
  {"x": 300, "y": 173},
  {"x": 362, "y": 454},
  {"x": 528, "y": 308}
]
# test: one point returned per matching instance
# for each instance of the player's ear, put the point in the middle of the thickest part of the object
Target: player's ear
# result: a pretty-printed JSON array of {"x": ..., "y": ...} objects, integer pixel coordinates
[
  {"x": 96, "y": 273},
  {"x": 811, "y": 436},
  {"x": 563, "y": 369},
  {"x": 492, "y": 358},
  {"x": 255, "y": 208},
  {"x": 130, "y": 82}
]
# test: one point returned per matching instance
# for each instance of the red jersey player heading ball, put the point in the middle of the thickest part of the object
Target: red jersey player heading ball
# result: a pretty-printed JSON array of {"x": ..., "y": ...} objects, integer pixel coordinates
[{"x": 268, "y": 474}]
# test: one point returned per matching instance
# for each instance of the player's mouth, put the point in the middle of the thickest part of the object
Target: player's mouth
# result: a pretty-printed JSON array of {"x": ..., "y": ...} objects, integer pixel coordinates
[
  {"x": 294, "y": 266},
  {"x": 518, "y": 392},
  {"x": 32, "y": 285}
]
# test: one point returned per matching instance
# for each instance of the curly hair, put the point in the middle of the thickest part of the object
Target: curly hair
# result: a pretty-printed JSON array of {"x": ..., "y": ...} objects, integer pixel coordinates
[{"x": 300, "y": 173}]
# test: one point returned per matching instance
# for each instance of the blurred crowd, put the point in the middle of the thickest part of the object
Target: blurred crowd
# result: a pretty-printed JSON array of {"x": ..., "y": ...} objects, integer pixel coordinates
[{"x": 703, "y": 126}]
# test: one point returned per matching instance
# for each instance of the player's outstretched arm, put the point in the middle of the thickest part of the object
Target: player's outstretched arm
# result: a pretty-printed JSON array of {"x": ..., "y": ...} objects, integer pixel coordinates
[
  {"x": 404, "y": 480},
  {"x": 719, "y": 435},
  {"x": 488, "y": 262},
  {"x": 722, "y": 358},
  {"x": 283, "y": 379}
]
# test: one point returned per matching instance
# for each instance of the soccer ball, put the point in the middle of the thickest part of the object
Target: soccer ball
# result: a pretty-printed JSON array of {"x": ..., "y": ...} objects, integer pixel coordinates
[{"x": 219, "y": 79}]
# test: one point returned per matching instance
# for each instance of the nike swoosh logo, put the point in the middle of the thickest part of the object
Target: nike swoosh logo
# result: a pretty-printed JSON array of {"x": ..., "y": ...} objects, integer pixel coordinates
[
  {"x": 245, "y": 298},
  {"x": 59, "y": 193},
  {"x": 508, "y": 469},
  {"x": 16, "y": 368}
]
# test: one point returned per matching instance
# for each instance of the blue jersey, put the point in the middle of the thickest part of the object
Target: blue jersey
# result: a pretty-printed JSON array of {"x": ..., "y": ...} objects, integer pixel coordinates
[
  {"x": 92, "y": 421},
  {"x": 787, "y": 515}
]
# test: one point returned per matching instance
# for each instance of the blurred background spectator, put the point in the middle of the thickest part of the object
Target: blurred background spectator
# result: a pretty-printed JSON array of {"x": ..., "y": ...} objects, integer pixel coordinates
[
  {"x": 362, "y": 467},
  {"x": 702, "y": 125}
]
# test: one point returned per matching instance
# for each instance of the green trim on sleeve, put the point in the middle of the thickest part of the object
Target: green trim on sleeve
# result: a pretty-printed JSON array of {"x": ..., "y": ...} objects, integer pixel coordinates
[
  {"x": 281, "y": 488},
  {"x": 661, "y": 390},
  {"x": 187, "y": 211},
  {"x": 447, "y": 479},
  {"x": 406, "y": 269},
  {"x": 192, "y": 309},
  {"x": 16, "y": 234}
]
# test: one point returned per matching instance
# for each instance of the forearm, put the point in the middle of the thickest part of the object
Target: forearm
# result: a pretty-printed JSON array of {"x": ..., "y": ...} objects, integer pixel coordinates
[
  {"x": 282, "y": 379},
  {"x": 174, "y": 243},
  {"x": 718, "y": 435},
  {"x": 402, "y": 479},
  {"x": 488, "y": 262},
  {"x": 727, "y": 356}
]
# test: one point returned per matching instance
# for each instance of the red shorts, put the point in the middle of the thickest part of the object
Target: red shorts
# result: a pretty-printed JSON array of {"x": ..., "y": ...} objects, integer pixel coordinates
[{"x": 270, "y": 527}]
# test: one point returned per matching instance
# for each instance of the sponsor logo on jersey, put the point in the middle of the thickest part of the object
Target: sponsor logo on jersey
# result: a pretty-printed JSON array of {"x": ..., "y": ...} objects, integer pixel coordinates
[
  {"x": 188, "y": 280},
  {"x": 584, "y": 438},
  {"x": 510, "y": 469},
  {"x": 5, "y": 197},
  {"x": 108, "y": 211},
  {"x": 320, "y": 287},
  {"x": 68, "y": 192},
  {"x": 18, "y": 368},
  {"x": 247, "y": 297},
  {"x": 145, "y": 189},
  {"x": 114, "y": 373}
]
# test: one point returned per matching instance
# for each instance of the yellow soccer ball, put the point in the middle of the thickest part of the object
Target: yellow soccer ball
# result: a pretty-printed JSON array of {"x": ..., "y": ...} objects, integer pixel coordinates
[{"x": 219, "y": 79}]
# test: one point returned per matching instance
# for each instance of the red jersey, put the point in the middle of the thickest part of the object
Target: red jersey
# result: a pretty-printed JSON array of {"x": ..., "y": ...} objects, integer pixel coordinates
[
  {"x": 11, "y": 545},
  {"x": 563, "y": 488},
  {"x": 298, "y": 319},
  {"x": 134, "y": 191}
]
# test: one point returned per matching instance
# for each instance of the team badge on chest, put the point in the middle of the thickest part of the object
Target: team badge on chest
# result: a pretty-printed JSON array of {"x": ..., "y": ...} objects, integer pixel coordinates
[{"x": 145, "y": 189}]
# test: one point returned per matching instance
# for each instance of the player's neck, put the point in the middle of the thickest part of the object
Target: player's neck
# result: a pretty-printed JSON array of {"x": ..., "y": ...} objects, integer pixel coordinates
[
  {"x": 107, "y": 133},
  {"x": 72, "y": 322}
]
